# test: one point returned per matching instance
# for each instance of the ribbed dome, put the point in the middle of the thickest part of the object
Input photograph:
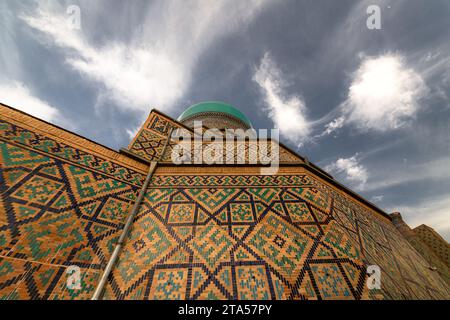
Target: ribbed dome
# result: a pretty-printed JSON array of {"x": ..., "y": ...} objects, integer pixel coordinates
[{"x": 204, "y": 109}]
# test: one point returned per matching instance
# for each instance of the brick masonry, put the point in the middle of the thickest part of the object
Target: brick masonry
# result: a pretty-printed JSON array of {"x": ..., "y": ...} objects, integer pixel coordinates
[{"x": 201, "y": 233}]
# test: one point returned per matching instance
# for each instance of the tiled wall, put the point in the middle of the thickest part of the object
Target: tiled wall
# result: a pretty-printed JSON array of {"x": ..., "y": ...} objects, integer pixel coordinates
[
  {"x": 202, "y": 232},
  {"x": 245, "y": 236},
  {"x": 60, "y": 206}
]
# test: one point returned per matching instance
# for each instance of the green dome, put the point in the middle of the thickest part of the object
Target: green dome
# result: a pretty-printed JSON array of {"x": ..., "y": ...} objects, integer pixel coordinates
[{"x": 214, "y": 106}]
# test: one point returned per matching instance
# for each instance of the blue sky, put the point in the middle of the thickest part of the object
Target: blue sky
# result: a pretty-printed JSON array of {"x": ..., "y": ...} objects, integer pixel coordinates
[{"x": 372, "y": 107}]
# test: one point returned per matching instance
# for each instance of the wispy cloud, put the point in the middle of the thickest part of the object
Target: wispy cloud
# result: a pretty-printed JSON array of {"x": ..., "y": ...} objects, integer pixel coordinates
[
  {"x": 384, "y": 94},
  {"x": 434, "y": 170},
  {"x": 351, "y": 170},
  {"x": 154, "y": 68},
  {"x": 377, "y": 198},
  {"x": 288, "y": 112},
  {"x": 332, "y": 126},
  {"x": 19, "y": 96}
]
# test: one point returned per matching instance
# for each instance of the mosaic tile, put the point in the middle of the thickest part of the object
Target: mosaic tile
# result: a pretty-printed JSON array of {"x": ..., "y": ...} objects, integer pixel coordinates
[
  {"x": 181, "y": 213},
  {"x": 169, "y": 284},
  {"x": 283, "y": 247},
  {"x": 299, "y": 212},
  {"x": 252, "y": 283},
  {"x": 38, "y": 190},
  {"x": 211, "y": 244},
  {"x": 241, "y": 212},
  {"x": 216, "y": 236},
  {"x": 330, "y": 282}
]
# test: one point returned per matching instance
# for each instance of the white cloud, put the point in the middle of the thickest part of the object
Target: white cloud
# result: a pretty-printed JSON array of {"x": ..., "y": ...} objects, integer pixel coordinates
[
  {"x": 19, "y": 96},
  {"x": 333, "y": 126},
  {"x": 354, "y": 172},
  {"x": 377, "y": 198},
  {"x": 286, "y": 111},
  {"x": 154, "y": 68},
  {"x": 384, "y": 94},
  {"x": 434, "y": 170},
  {"x": 132, "y": 132}
]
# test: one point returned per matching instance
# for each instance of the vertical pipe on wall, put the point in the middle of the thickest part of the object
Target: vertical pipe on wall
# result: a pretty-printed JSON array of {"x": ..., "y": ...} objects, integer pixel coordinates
[{"x": 112, "y": 261}]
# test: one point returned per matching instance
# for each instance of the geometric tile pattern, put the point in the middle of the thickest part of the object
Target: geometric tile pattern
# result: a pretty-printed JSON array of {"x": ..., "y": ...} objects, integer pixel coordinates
[
  {"x": 405, "y": 274},
  {"x": 148, "y": 145},
  {"x": 242, "y": 153},
  {"x": 28, "y": 145},
  {"x": 149, "y": 141},
  {"x": 223, "y": 236},
  {"x": 233, "y": 243},
  {"x": 283, "y": 246},
  {"x": 252, "y": 283},
  {"x": 434, "y": 241},
  {"x": 59, "y": 207},
  {"x": 250, "y": 241},
  {"x": 168, "y": 284}
]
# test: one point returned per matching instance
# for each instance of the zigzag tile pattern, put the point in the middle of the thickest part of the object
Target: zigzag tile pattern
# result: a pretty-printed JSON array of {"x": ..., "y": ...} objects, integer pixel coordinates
[
  {"x": 405, "y": 273},
  {"x": 59, "y": 207},
  {"x": 40, "y": 144},
  {"x": 238, "y": 237},
  {"x": 217, "y": 236},
  {"x": 262, "y": 237},
  {"x": 149, "y": 141}
]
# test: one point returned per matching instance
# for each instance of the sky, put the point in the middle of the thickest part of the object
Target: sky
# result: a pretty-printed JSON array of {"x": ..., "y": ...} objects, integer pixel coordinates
[{"x": 370, "y": 106}]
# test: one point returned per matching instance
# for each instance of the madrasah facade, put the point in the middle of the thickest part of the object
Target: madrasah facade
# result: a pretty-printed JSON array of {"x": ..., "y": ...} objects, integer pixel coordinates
[{"x": 79, "y": 220}]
